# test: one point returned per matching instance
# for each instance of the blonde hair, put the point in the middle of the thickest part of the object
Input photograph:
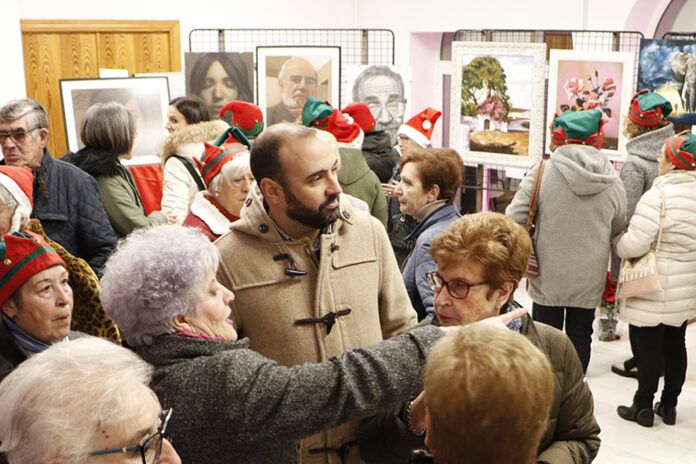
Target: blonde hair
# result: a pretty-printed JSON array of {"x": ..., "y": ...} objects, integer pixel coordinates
[
  {"x": 493, "y": 240},
  {"x": 633, "y": 130},
  {"x": 488, "y": 392}
]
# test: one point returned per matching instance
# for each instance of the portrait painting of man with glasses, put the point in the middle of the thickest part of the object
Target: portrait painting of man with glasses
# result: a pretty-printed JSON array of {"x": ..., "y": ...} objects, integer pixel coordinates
[{"x": 382, "y": 90}]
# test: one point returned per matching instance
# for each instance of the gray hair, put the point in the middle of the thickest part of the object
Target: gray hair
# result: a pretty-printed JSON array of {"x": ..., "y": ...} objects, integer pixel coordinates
[
  {"x": 108, "y": 126},
  {"x": 294, "y": 59},
  {"x": 231, "y": 170},
  {"x": 374, "y": 71},
  {"x": 15, "y": 109},
  {"x": 7, "y": 200},
  {"x": 53, "y": 403},
  {"x": 154, "y": 275}
]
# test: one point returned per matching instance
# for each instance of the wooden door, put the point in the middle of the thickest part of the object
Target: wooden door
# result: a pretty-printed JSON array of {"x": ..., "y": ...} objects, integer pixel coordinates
[{"x": 55, "y": 50}]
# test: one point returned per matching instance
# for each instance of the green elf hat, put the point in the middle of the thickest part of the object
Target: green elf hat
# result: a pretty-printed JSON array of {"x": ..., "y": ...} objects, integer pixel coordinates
[
  {"x": 648, "y": 108},
  {"x": 245, "y": 116},
  {"x": 578, "y": 127},
  {"x": 316, "y": 113},
  {"x": 681, "y": 150},
  {"x": 23, "y": 255},
  {"x": 229, "y": 146}
]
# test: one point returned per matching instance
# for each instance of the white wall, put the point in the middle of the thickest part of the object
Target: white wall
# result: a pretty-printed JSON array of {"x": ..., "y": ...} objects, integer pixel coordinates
[
  {"x": 686, "y": 19},
  {"x": 12, "y": 76}
]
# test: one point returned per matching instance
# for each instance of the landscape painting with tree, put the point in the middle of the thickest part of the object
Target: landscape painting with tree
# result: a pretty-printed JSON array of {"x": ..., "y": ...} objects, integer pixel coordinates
[{"x": 497, "y": 102}]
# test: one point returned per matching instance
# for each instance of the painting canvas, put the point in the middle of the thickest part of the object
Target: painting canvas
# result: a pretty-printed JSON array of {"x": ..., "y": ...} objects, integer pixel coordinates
[
  {"x": 497, "y": 102},
  {"x": 217, "y": 78},
  {"x": 384, "y": 89},
  {"x": 593, "y": 80},
  {"x": 147, "y": 98},
  {"x": 287, "y": 76},
  {"x": 668, "y": 67}
]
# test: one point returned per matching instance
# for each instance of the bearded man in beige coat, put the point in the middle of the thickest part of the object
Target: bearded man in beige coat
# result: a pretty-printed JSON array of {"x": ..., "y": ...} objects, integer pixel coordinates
[{"x": 312, "y": 276}]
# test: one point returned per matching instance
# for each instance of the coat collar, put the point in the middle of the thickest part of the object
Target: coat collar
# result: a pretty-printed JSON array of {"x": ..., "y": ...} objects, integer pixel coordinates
[
  {"x": 443, "y": 213},
  {"x": 204, "y": 210}
]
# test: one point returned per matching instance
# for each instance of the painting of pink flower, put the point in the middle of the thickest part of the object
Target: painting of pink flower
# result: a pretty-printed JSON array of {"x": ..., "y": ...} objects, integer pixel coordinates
[
  {"x": 608, "y": 84},
  {"x": 573, "y": 87}
]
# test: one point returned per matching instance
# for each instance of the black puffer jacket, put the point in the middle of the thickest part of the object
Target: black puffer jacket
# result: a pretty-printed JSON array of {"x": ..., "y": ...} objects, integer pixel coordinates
[
  {"x": 379, "y": 154},
  {"x": 67, "y": 203}
]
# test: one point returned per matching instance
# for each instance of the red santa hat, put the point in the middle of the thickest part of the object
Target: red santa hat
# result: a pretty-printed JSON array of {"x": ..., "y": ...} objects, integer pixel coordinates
[
  {"x": 246, "y": 116},
  {"x": 420, "y": 127},
  {"x": 361, "y": 114},
  {"x": 23, "y": 255},
  {"x": 19, "y": 182},
  {"x": 346, "y": 131}
]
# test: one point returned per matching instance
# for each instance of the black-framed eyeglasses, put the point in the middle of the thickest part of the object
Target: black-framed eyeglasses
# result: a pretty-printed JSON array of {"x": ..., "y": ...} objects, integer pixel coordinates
[
  {"x": 17, "y": 135},
  {"x": 149, "y": 448},
  {"x": 458, "y": 288}
]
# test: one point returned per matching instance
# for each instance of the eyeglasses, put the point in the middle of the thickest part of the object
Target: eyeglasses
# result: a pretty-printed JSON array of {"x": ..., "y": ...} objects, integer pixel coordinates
[
  {"x": 150, "y": 447},
  {"x": 458, "y": 288},
  {"x": 394, "y": 107},
  {"x": 17, "y": 135}
]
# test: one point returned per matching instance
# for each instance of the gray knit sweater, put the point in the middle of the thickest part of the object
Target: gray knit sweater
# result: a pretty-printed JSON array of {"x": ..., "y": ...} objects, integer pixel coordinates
[
  {"x": 639, "y": 171},
  {"x": 232, "y": 405}
]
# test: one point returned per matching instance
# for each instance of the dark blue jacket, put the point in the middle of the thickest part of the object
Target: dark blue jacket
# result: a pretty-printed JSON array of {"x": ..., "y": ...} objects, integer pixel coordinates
[
  {"x": 67, "y": 203},
  {"x": 420, "y": 262}
]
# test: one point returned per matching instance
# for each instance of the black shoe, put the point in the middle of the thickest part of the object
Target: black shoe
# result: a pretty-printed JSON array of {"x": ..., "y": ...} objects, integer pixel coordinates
[
  {"x": 621, "y": 370},
  {"x": 644, "y": 417},
  {"x": 667, "y": 413}
]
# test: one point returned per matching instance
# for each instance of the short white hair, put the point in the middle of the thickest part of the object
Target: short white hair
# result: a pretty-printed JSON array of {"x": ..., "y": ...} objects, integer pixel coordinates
[
  {"x": 154, "y": 275},
  {"x": 53, "y": 403},
  {"x": 231, "y": 170}
]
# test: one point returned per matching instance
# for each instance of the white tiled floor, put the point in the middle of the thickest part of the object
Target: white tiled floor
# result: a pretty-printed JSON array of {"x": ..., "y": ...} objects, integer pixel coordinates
[{"x": 625, "y": 442}]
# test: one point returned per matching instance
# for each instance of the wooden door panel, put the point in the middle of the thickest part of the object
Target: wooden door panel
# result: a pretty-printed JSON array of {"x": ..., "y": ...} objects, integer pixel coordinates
[{"x": 55, "y": 50}]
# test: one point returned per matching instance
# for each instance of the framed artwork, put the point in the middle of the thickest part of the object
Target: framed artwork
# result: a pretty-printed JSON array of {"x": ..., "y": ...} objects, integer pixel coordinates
[
  {"x": 146, "y": 97},
  {"x": 385, "y": 89},
  {"x": 286, "y": 76},
  {"x": 593, "y": 80},
  {"x": 497, "y": 103},
  {"x": 217, "y": 78},
  {"x": 668, "y": 67}
]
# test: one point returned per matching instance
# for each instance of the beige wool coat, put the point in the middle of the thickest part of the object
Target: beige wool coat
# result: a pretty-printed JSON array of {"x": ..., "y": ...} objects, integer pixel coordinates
[{"x": 356, "y": 270}]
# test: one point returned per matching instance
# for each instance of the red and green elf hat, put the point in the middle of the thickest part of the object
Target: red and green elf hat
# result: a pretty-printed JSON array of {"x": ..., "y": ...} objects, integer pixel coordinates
[
  {"x": 23, "y": 255},
  {"x": 246, "y": 116},
  {"x": 648, "y": 108},
  {"x": 578, "y": 127},
  {"x": 316, "y": 113},
  {"x": 681, "y": 150},
  {"x": 230, "y": 145}
]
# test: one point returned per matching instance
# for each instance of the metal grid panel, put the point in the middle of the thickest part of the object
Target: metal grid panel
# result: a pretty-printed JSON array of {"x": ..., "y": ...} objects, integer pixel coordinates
[
  {"x": 628, "y": 41},
  {"x": 358, "y": 46}
]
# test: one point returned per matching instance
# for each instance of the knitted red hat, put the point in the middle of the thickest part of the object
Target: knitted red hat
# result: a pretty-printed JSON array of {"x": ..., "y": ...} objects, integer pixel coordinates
[
  {"x": 344, "y": 130},
  {"x": 648, "y": 108},
  {"x": 19, "y": 181},
  {"x": 362, "y": 116},
  {"x": 22, "y": 255},
  {"x": 420, "y": 127},
  {"x": 246, "y": 116},
  {"x": 681, "y": 150}
]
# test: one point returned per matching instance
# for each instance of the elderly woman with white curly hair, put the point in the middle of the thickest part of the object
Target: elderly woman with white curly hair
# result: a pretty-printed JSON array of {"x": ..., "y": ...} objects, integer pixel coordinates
[
  {"x": 234, "y": 405},
  {"x": 84, "y": 401}
]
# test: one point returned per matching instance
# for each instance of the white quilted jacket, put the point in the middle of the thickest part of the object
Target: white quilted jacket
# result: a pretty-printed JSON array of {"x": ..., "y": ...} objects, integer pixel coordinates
[{"x": 676, "y": 258}]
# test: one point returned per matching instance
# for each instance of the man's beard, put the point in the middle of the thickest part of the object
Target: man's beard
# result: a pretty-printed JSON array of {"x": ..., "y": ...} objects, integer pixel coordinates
[{"x": 316, "y": 219}]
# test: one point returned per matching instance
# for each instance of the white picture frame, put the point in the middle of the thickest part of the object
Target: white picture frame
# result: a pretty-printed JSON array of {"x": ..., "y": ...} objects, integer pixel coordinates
[
  {"x": 502, "y": 127},
  {"x": 594, "y": 68}
]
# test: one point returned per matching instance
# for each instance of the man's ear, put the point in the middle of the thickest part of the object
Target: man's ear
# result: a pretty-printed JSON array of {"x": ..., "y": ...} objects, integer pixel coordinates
[
  {"x": 43, "y": 137},
  {"x": 272, "y": 191},
  {"x": 9, "y": 308}
]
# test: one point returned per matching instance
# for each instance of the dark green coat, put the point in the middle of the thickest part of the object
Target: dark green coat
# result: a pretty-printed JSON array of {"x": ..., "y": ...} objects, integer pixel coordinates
[{"x": 358, "y": 180}]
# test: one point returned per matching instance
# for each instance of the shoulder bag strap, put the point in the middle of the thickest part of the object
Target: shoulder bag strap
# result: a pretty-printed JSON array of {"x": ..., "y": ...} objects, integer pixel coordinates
[
  {"x": 535, "y": 195},
  {"x": 192, "y": 171},
  {"x": 662, "y": 219}
]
